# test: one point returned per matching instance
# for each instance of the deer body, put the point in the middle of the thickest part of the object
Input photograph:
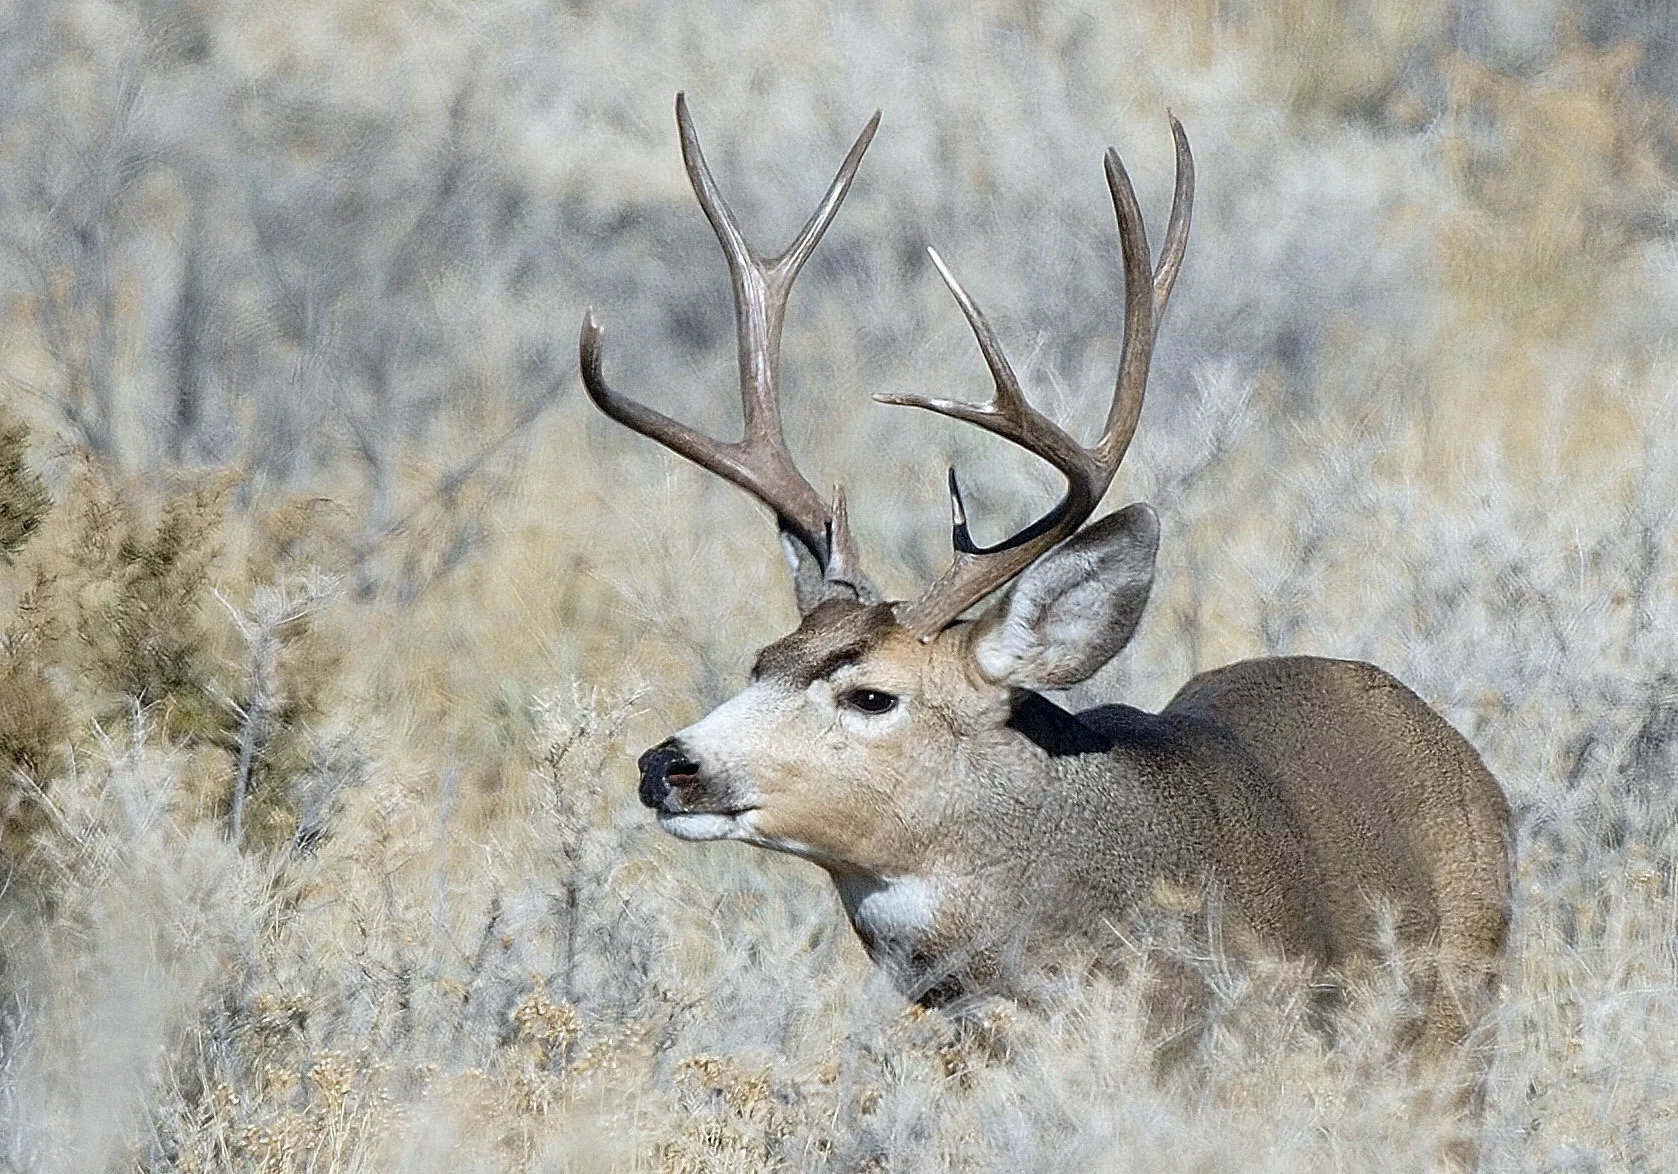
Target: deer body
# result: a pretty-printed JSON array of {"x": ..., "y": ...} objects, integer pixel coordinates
[
  {"x": 975, "y": 831},
  {"x": 1313, "y": 796}
]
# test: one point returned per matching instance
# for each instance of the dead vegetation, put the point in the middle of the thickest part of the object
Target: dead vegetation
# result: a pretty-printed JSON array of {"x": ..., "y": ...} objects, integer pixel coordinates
[{"x": 333, "y": 616}]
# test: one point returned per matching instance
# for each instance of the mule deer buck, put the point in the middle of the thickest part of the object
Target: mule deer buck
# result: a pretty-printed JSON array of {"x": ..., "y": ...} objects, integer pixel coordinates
[{"x": 974, "y": 829}]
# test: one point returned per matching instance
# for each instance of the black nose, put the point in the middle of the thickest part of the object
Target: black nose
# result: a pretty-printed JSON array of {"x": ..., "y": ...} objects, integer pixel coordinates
[{"x": 660, "y": 766}]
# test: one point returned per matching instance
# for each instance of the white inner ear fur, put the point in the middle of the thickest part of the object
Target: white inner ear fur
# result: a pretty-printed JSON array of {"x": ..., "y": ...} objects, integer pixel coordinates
[{"x": 1072, "y": 610}]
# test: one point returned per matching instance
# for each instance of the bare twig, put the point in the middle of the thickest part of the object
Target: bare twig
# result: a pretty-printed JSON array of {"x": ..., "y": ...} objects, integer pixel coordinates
[{"x": 273, "y": 607}]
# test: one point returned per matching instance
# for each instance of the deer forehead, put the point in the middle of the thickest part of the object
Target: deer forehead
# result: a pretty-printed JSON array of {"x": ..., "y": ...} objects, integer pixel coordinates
[
  {"x": 835, "y": 635},
  {"x": 854, "y": 645}
]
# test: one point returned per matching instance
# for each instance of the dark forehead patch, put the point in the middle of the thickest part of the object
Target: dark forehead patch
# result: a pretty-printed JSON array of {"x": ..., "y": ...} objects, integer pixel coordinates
[{"x": 835, "y": 633}]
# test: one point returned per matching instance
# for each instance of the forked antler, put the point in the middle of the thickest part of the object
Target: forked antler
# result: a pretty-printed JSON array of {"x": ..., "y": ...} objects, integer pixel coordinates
[
  {"x": 1089, "y": 472},
  {"x": 759, "y": 462}
]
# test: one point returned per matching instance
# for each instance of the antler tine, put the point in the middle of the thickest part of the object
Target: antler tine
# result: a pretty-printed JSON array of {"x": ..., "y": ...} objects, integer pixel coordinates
[
  {"x": 844, "y": 563},
  {"x": 1177, "y": 228},
  {"x": 1008, "y": 415},
  {"x": 1089, "y": 472},
  {"x": 1136, "y": 350},
  {"x": 759, "y": 462},
  {"x": 805, "y": 242}
]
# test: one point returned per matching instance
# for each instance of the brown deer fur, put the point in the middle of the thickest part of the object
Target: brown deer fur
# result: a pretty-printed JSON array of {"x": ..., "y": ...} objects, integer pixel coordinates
[{"x": 978, "y": 833}]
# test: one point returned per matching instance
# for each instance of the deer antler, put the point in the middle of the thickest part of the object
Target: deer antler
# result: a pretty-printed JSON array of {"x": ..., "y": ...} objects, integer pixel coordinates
[
  {"x": 1089, "y": 472},
  {"x": 759, "y": 462}
]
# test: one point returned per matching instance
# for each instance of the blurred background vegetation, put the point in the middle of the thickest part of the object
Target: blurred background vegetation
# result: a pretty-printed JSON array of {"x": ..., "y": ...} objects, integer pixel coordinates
[{"x": 331, "y": 608}]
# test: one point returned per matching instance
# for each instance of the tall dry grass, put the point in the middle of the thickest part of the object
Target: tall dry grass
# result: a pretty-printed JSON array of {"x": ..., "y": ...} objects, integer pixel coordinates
[{"x": 311, "y": 525}]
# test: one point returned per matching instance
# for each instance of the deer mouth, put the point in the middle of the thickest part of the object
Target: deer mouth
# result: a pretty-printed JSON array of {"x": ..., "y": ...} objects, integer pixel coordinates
[
  {"x": 689, "y": 804},
  {"x": 705, "y": 825}
]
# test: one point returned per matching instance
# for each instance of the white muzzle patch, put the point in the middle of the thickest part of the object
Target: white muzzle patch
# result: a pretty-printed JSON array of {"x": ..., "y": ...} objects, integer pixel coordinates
[{"x": 697, "y": 826}]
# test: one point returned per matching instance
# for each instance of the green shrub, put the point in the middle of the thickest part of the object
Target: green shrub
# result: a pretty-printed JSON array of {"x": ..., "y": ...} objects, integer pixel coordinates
[
  {"x": 34, "y": 722},
  {"x": 139, "y": 598},
  {"x": 24, "y": 500}
]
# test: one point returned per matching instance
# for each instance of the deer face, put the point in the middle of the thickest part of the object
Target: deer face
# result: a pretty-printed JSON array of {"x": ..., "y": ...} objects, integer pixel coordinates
[
  {"x": 838, "y": 733},
  {"x": 846, "y": 746}
]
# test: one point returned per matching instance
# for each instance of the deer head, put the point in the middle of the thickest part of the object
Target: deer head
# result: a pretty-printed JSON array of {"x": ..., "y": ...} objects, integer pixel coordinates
[{"x": 843, "y": 745}]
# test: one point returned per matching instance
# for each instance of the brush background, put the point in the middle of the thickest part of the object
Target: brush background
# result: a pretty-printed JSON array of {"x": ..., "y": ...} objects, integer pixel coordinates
[{"x": 288, "y": 299}]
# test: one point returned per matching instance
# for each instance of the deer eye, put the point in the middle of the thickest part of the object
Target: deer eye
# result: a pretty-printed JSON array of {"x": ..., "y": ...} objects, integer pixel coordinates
[{"x": 869, "y": 700}]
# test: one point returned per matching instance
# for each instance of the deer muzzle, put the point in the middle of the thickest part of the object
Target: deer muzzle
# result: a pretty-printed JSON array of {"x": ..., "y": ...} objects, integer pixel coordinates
[{"x": 663, "y": 768}]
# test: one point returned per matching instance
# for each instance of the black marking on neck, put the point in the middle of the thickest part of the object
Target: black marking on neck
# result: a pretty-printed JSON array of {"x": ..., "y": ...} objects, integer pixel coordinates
[{"x": 1051, "y": 729}]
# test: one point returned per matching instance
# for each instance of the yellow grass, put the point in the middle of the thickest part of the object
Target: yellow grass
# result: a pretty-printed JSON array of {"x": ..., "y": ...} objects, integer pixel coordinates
[{"x": 1413, "y": 404}]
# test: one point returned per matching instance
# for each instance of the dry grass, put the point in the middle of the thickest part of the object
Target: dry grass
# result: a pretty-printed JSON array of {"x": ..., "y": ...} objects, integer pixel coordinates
[{"x": 289, "y": 300}]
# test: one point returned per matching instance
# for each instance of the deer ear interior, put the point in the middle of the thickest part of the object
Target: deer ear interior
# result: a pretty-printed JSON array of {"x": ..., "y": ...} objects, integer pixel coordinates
[
  {"x": 1072, "y": 610},
  {"x": 812, "y": 585},
  {"x": 808, "y": 585}
]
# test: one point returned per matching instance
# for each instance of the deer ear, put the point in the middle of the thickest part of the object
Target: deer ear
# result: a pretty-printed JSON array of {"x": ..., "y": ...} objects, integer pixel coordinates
[
  {"x": 808, "y": 586},
  {"x": 1071, "y": 611},
  {"x": 812, "y": 585}
]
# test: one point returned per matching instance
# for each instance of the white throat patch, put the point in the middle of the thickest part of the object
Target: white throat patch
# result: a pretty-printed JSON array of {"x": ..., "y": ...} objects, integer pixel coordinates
[{"x": 890, "y": 913}]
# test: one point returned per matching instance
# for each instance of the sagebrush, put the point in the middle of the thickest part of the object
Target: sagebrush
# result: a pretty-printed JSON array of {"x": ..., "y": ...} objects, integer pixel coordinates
[{"x": 334, "y": 616}]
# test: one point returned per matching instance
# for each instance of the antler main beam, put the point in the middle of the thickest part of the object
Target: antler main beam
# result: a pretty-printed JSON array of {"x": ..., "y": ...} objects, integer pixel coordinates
[
  {"x": 1089, "y": 472},
  {"x": 759, "y": 462}
]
